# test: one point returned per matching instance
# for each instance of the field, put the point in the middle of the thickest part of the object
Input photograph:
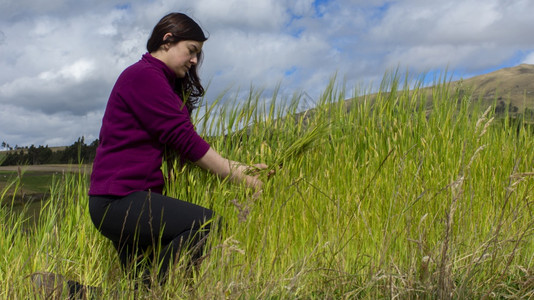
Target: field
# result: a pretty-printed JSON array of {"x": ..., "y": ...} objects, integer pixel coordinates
[
  {"x": 34, "y": 180},
  {"x": 38, "y": 183},
  {"x": 24, "y": 188},
  {"x": 395, "y": 197}
]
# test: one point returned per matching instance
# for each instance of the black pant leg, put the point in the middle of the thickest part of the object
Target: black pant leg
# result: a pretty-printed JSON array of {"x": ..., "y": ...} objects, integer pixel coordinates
[{"x": 142, "y": 219}]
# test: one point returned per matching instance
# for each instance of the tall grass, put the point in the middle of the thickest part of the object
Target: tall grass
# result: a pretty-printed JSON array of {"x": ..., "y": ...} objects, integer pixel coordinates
[{"x": 410, "y": 192}]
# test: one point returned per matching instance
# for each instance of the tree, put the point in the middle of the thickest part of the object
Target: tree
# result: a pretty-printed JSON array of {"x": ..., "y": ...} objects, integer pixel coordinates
[{"x": 78, "y": 152}]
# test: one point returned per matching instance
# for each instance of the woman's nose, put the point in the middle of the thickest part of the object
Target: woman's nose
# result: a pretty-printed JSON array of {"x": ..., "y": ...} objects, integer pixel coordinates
[{"x": 194, "y": 59}]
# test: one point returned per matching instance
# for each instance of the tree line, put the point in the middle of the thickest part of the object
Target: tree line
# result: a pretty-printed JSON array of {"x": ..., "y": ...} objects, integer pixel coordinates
[{"x": 79, "y": 152}]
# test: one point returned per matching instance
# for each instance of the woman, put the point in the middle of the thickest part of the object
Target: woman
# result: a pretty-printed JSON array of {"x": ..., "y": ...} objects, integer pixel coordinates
[{"x": 148, "y": 111}]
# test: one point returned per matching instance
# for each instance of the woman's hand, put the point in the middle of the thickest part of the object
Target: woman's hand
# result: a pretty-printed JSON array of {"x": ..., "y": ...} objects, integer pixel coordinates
[
  {"x": 235, "y": 171},
  {"x": 251, "y": 175}
]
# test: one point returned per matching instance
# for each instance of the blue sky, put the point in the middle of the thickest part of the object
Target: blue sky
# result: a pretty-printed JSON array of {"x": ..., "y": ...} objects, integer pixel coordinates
[{"x": 60, "y": 58}]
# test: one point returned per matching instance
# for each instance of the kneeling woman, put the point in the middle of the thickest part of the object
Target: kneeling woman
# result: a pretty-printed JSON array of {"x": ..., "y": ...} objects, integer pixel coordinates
[{"x": 145, "y": 114}]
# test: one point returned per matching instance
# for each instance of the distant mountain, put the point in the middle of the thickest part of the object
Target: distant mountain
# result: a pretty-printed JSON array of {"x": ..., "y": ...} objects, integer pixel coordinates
[{"x": 509, "y": 87}]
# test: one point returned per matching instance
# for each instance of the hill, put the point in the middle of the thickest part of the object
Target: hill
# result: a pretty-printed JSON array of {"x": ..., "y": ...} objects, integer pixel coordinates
[{"x": 510, "y": 87}]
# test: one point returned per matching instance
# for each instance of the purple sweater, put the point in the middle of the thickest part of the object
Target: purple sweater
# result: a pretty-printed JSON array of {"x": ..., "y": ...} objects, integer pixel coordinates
[{"x": 143, "y": 115}]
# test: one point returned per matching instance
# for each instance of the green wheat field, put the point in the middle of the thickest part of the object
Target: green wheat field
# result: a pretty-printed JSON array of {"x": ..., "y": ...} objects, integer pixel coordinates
[{"x": 418, "y": 193}]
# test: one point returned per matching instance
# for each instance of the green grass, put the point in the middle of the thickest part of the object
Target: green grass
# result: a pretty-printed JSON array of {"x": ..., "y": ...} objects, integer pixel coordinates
[
  {"x": 33, "y": 182},
  {"x": 30, "y": 183},
  {"x": 396, "y": 197}
]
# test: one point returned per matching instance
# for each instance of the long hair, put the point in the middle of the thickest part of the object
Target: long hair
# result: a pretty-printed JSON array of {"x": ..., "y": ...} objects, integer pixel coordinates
[{"x": 182, "y": 28}]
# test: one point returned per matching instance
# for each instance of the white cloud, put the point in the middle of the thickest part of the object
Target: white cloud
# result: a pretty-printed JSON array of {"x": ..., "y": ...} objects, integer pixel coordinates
[
  {"x": 21, "y": 127},
  {"x": 529, "y": 59},
  {"x": 301, "y": 7},
  {"x": 80, "y": 70},
  {"x": 252, "y": 15},
  {"x": 437, "y": 22},
  {"x": 72, "y": 88},
  {"x": 261, "y": 59}
]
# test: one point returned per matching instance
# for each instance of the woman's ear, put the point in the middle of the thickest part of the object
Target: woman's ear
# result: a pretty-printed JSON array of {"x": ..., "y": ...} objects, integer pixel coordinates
[
  {"x": 165, "y": 45},
  {"x": 167, "y": 36}
]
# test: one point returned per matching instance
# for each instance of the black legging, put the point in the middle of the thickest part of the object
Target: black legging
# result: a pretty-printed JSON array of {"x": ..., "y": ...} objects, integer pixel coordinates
[{"x": 141, "y": 220}]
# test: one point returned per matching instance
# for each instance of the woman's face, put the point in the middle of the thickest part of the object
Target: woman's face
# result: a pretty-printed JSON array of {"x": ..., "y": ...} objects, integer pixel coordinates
[{"x": 180, "y": 57}]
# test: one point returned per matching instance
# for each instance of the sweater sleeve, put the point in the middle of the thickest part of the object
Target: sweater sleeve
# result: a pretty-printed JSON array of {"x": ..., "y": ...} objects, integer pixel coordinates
[{"x": 162, "y": 113}]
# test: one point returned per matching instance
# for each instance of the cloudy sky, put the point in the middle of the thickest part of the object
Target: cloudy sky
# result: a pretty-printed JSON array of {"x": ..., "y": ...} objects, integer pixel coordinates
[{"x": 60, "y": 58}]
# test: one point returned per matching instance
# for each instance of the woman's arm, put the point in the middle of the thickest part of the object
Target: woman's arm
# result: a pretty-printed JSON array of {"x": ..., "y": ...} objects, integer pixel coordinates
[{"x": 235, "y": 171}]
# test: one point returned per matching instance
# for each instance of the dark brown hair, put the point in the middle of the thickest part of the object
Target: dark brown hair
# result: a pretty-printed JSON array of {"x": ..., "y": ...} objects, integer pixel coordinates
[{"x": 182, "y": 28}]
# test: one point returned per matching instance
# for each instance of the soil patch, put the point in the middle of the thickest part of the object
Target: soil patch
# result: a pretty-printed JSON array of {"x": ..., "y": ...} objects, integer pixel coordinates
[{"x": 49, "y": 168}]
